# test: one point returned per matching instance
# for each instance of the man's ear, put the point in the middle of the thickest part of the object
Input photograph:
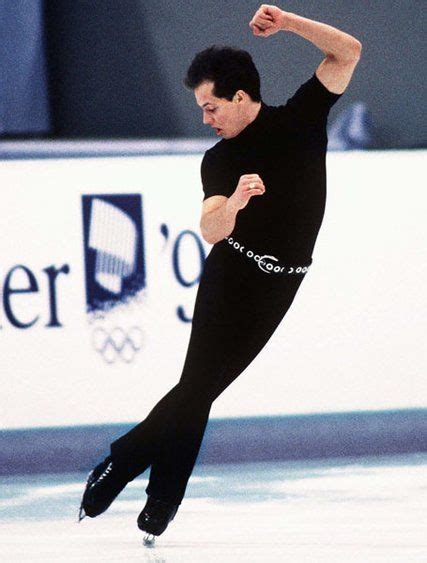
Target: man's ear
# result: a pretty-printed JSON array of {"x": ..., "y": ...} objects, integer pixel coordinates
[{"x": 238, "y": 96}]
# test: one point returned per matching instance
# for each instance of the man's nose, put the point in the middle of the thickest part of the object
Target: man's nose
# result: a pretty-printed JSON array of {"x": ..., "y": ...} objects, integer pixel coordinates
[{"x": 207, "y": 119}]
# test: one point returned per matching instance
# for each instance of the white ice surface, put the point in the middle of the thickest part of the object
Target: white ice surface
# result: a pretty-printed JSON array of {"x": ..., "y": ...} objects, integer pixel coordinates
[{"x": 359, "y": 509}]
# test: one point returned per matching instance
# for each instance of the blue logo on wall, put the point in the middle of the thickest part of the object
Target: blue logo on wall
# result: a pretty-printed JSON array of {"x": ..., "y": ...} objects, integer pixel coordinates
[{"x": 113, "y": 249}]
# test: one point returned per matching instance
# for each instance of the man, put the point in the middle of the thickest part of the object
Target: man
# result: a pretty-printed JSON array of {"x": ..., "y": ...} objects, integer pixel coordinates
[{"x": 262, "y": 249}]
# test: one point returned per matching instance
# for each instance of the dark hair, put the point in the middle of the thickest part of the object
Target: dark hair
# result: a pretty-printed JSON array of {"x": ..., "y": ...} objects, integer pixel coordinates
[{"x": 229, "y": 68}]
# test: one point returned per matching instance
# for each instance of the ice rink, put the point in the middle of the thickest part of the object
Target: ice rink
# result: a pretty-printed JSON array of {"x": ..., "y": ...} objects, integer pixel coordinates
[{"x": 344, "y": 509}]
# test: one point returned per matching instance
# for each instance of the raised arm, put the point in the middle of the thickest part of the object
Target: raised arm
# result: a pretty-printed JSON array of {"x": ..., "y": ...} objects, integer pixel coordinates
[{"x": 341, "y": 49}]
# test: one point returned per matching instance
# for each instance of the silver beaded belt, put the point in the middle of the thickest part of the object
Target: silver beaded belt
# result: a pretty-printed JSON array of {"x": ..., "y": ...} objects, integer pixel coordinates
[{"x": 267, "y": 263}]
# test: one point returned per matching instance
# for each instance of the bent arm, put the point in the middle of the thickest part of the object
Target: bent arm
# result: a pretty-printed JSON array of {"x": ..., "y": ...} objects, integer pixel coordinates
[
  {"x": 341, "y": 49},
  {"x": 333, "y": 42},
  {"x": 218, "y": 218}
]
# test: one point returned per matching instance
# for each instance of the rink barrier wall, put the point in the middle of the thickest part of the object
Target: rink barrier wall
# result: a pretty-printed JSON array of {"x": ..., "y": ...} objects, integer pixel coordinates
[
  {"x": 227, "y": 440},
  {"x": 96, "y": 148}
]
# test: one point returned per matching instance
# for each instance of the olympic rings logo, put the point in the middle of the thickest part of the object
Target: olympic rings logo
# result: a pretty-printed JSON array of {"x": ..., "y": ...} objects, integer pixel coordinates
[{"x": 117, "y": 344}]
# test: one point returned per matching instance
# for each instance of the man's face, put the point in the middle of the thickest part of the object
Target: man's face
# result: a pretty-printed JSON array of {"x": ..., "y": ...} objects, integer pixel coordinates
[{"x": 222, "y": 115}]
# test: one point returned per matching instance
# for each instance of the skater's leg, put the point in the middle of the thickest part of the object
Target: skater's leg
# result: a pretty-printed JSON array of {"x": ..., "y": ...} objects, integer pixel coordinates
[
  {"x": 179, "y": 446},
  {"x": 137, "y": 447},
  {"x": 140, "y": 444}
]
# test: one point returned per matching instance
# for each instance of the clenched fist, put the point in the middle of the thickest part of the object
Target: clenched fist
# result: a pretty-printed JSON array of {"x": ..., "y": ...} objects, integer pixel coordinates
[
  {"x": 248, "y": 186},
  {"x": 267, "y": 20}
]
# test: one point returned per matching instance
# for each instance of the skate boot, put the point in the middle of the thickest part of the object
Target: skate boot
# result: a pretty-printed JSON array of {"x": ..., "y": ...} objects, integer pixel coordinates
[
  {"x": 103, "y": 484},
  {"x": 155, "y": 518}
]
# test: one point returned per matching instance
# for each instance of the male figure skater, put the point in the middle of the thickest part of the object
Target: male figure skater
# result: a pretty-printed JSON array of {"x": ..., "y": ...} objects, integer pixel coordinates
[{"x": 262, "y": 249}]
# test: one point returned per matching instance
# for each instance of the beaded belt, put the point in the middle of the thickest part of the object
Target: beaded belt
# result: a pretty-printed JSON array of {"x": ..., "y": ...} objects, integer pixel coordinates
[{"x": 267, "y": 263}]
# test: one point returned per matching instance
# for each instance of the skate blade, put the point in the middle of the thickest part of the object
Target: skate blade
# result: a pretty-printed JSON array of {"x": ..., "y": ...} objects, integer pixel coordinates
[
  {"x": 82, "y": 514},
  {"x": 149, "y": 540}
]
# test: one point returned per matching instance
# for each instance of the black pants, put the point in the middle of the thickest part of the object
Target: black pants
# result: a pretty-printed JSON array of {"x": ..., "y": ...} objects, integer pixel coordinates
[{"x": 238, "y": 307}]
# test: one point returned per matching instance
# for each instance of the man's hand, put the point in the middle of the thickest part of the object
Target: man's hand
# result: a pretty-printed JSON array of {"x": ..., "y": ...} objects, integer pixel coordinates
[
  {"x": 267, "y": 20},
  {"x": 249, "y": 185}
]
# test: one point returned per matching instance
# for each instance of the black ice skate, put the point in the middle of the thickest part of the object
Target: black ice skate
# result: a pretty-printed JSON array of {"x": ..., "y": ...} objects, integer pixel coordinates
[
  {"x": 155, "y": 518},
  {"x": 103, "y": 484}
]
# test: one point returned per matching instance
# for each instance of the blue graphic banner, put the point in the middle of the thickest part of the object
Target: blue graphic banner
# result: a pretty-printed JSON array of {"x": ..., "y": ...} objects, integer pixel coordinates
[{"x": 113, "y": 249}]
